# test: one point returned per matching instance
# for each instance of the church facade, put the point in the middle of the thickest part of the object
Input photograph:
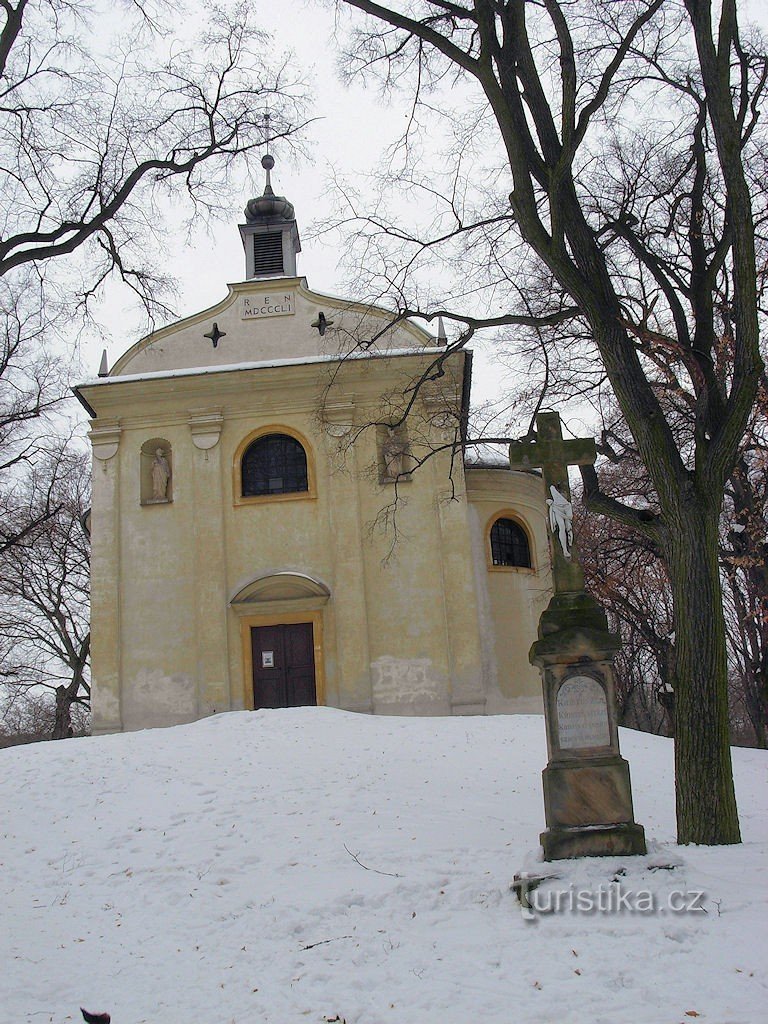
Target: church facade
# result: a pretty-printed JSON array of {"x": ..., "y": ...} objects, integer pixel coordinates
[{"x": 281, "y": 516}]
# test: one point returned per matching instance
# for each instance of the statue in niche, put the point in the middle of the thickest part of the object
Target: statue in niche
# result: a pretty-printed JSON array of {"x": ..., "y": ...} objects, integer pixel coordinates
[
  {"x": 161, "y": 475},
  {"x": 561, "y": 519},
  {"x": 394, "y": 453}
]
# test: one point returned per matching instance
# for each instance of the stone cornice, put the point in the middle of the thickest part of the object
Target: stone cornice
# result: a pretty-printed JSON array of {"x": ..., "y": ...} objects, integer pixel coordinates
[
  {"x": 485, "y": 484},
  {"x": 299, "y": 385}
]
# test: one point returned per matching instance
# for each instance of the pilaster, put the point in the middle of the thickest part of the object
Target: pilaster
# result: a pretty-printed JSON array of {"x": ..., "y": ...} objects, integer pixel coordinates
[
  {"x": 211, "y": 487},
  {"x": 462, "y": 620},
  {"x": 106, "y": 695},
  {"x": 349, "y": 596}
]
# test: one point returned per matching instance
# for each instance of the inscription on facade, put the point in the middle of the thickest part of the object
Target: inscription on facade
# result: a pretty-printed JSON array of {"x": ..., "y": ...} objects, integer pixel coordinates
[
  {"x": 254, "y": 307},
  {"x": 582, "y": 714}
]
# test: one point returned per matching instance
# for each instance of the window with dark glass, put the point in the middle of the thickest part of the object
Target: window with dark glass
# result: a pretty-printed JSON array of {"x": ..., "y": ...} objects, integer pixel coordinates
[
  {"x": 509, "y": 544},
  {"x": 274, "y": 464}
]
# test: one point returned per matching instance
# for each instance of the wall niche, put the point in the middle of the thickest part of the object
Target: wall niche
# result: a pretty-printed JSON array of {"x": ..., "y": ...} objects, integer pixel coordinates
[
  {"x": 156, "y": 472},
  {"x": 394, "y": 454}
]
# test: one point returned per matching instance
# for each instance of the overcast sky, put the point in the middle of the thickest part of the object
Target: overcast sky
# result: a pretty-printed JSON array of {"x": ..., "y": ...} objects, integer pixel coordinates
[{"x": 353, "y": 125}]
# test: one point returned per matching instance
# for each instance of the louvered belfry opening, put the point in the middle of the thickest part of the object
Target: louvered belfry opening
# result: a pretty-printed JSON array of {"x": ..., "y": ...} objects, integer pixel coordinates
[{"x": 268, "y": 253}]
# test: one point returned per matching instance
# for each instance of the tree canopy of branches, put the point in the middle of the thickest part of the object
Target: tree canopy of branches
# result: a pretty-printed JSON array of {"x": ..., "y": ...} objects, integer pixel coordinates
[
  {"x": 97, "y": 133},
  {"x": 44, "y": 590},
  {"x": 627, "y": 576},
  {"x": 601, "y": 186},
  {"x": 628, "y": 579}
]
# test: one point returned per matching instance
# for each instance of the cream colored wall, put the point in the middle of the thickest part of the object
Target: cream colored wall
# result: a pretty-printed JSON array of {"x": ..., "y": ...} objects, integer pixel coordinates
[
  {"x": 423, "y": 634},
  {"x": 414, "y": 623},
  {"x": 267, "y": 537},
  {"x": 401, "y": 629},
  {"x": 511, "y": 599}
]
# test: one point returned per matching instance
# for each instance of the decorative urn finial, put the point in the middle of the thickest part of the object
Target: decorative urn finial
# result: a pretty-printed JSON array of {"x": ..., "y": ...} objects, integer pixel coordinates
[{"x": 268, "y": 206}]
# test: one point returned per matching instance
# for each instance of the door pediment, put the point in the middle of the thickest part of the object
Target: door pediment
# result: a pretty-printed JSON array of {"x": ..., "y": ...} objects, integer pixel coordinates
[{"x": 286, "y": 587}]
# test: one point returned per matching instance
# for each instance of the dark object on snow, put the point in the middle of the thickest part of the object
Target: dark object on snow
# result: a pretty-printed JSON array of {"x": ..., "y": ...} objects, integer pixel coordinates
[{"x": 95, "y": 1018}]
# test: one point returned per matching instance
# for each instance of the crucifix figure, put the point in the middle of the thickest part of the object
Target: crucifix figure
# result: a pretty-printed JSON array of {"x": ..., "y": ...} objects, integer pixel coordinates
[{"x": 551, "y": 453}]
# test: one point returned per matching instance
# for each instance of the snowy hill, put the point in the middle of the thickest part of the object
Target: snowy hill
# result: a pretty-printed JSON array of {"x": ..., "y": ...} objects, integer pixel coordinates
[{"x": 312, "y": 865}]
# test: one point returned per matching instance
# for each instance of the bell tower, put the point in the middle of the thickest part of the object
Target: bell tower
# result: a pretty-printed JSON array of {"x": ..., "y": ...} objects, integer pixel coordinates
[{"x": 270, "y": 235}]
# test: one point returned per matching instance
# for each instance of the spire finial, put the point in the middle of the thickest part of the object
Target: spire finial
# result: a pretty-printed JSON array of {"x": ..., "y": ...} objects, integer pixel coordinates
[
  {"x": 267, "y": 161},
  {"x": 442, "y": 337}
]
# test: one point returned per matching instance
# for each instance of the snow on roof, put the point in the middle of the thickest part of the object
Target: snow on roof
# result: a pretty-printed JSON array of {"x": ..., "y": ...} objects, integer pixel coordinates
[
  {"x": 194, "y": 371},
  {"x": 485, "y": 456}
]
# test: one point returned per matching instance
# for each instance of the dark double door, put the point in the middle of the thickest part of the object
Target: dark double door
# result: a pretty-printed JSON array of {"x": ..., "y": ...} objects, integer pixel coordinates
[{"x": 283, "y": 665}]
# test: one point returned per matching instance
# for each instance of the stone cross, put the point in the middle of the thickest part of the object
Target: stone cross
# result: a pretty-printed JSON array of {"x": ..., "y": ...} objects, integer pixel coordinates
[
  {"x": 551, "y": 453},
  {"x": 587, "y": 792}
]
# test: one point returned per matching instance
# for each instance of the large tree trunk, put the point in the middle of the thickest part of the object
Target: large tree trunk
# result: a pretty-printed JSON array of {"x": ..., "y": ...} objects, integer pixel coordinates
[
  {"x": 706, "y": 800},
  {"x": 62, "y": 727}
]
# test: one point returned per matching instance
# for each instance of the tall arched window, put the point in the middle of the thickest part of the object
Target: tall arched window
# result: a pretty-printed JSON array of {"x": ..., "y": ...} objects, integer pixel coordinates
[
  {"x": 509, "y": 544},
  {"x": 274, "y": 464}
]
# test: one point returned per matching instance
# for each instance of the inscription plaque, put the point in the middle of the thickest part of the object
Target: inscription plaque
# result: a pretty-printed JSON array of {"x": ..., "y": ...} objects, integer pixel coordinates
[
  {"x": 582, "y": 714},
  {"x": 257, "y": 307}
]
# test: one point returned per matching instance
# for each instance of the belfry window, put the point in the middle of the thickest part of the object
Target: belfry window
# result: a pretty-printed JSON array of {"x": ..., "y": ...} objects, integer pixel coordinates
[
  {"x": 274, "y": 464},
  {"x": 509, "y": 544},
  {"x": 268, "y": 254}
]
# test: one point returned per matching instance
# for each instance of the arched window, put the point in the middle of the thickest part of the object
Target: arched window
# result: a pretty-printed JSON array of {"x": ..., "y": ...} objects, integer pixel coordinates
[
  {"x": 274, "y": 464},
  {"x": 509, "y": 544}
]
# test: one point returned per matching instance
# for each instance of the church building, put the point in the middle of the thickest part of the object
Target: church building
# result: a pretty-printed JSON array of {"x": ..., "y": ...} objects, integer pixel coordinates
[{"x": 283, "y": 514}]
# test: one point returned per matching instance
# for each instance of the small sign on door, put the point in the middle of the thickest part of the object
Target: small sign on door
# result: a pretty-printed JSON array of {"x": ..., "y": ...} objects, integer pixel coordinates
[{"x": 267, "y": 659}]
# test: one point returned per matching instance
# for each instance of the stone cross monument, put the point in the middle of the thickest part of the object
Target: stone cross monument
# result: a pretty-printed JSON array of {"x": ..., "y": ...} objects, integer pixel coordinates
[{"x": 587, "y": 793}]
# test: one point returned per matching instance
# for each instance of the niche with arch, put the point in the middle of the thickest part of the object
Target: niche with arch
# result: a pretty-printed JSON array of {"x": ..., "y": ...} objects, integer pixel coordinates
[{"x": 156, "y": 472}]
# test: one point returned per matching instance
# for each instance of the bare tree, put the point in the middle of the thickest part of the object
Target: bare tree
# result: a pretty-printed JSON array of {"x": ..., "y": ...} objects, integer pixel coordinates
[
  {"x": 624, "y": 214},
  {"x": 44, "y": 591},
  {"x": 629, "y": 580},
  {"x": 92, "y": 137},
  {"x": 32, "y": 388},
  {"x": 99, "y": 128},
  {"x": 744, "y": 557},
  {"x": 29, "y": 716}
]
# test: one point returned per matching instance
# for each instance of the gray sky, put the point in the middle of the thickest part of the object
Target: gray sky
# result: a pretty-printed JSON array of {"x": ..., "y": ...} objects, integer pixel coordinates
[{"x": 353, "y": 125}]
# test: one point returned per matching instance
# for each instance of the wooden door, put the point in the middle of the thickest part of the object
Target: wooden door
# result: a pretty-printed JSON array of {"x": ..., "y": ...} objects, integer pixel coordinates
[{"x": 283, "y": 665}]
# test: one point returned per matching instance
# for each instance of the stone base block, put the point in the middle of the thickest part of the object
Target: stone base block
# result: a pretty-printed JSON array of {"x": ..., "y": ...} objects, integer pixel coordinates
[
  {"x": 468, "y": 707},
  {"x": 105, "y": 728},
  {"x": 363, "y": 707},
  {"x": 594, "y": 792},
  {"x": 624, "y": 840}
]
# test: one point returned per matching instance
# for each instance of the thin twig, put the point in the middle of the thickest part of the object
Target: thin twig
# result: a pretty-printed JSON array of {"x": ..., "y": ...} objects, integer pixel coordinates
[
  {"x": 323, "y": 942},
  {"x": 376, "y": 871}
]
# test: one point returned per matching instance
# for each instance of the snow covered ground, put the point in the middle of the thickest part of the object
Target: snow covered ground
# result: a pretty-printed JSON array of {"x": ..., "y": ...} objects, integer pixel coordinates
[{"x": 312, "y": 865}]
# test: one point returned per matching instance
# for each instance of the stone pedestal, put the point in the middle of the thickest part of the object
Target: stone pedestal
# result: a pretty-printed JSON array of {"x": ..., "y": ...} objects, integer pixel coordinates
[{"x": 587, "y": 791}]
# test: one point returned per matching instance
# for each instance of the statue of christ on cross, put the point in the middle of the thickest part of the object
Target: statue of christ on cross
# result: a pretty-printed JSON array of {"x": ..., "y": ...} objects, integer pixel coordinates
[{"x": 551, "y": 453}]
